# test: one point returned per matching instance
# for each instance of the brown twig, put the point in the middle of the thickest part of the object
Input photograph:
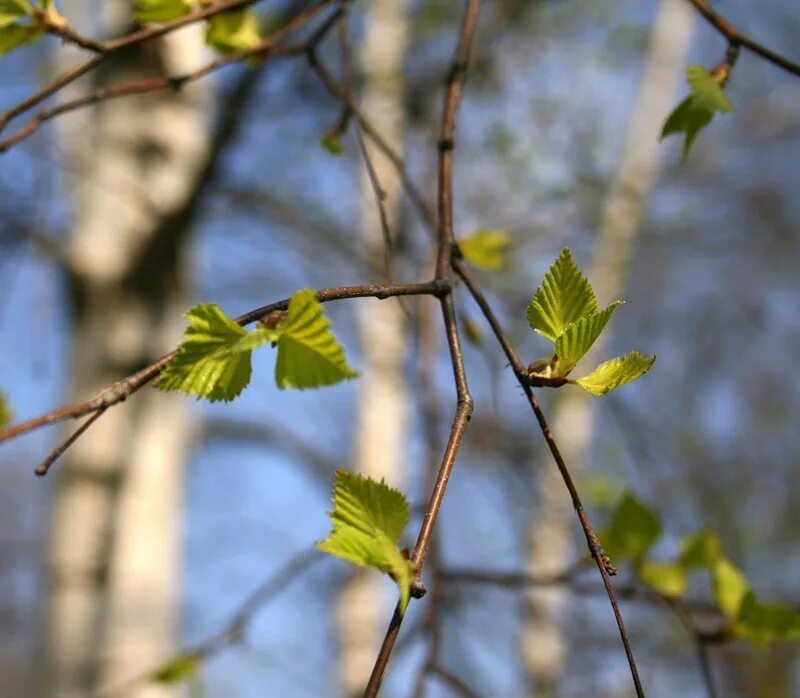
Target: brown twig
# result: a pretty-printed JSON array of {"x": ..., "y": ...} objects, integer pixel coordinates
[
  {"x": 464, "y": 406},
  {"x": 268, "y": 48},
  {"x": 601, "y": 559},
  {"x": 736, "y": 36}
]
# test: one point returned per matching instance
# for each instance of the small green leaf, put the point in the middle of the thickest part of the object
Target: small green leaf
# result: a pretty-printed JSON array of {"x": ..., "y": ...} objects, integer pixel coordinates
[
  {"x": 332, "y": 143},
  {"x": 308, "y": 354},
  {"x": 613, "y": 373},
  {"x": 668, "y": 578},
  {"x": 633, "y": 530},
  {"x": 214, "y": 360},
  {"x": 15, "y": 35},
  {"x": 234, "y": 31},
  {"x": 578, "y": 338},
  {"x": 183, "y": 668},
  {"x": 17, "y": 8},
  {"x": 764, "y": 623},
  {"x": 367, "y": 520},
  {"x": 161, "y": 10},
  {"x": 472, "y": 331},
  {"x": 729, "y": 587},
  {"x": 486, "y": 249},
  {"x": 5, "y": 411},
  {"x": 564, "y": 297},
  {"x": 701, "y": 549},
  {"x": 697, "y": 110}
]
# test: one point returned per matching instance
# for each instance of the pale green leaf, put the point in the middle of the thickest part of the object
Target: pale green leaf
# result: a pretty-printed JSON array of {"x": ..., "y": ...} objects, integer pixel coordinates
[
  {"x": 161, "y": 10},
  {"x": 332, "y": 143},
  {"x": 613, "y": 373},
  {"x": 578, "y": 338},
  {"x": 701, "y": 549},
  {"x": 632, "y": 531},
  {"x": 308, "y": 354},
  {"x": 183, "y": 668},
  {"x": 668, "y": 578},
  {"x": 214, "y": 360},
  {"x": 367, "y": 520},
  {"x": 729, "y": 587},
  {"x": 486, "y": 249},
  {"x": 234, "y": 31},
  {"x": 697, "y": 110},
  {"x": 18, "y": 8},
  {"x": 764, "y": 623},
  {"x": 5, "y": 411},
  {"x": 15, "y": 35},
  {"x": 564, "y": 297}
]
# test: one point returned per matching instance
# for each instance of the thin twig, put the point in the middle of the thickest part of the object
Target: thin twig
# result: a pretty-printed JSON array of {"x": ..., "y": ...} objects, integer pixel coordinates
[
  {"x": 736, "y": 36},
  {"x": 464, "y": 406},
  {"x": 601, "y": 559}
]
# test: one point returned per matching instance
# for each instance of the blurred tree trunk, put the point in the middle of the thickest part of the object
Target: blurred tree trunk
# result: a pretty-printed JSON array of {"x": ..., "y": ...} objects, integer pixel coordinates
[
  {"x": 551, "y": 532},
  {"x": 363, "y": 610},
  {"x": 115, "y": 530}
]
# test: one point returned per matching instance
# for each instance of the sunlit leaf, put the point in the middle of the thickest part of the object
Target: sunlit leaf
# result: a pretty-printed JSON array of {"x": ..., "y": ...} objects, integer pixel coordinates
[
  {"x": 308, "y": 354},
  {"x": 613, "y": 373},
  {"x": 697, "y": 110},
  {"x": 764, "y": 623},
  {"x": 5, "y": 411},
  {"x": 564, "y": 297},
  {"x": 161, "y": 10},
  {"x": 486, "y": 249},
  {"x": 182, "y": 668},
  {"x": 367, "y": 520},
  {"x": 729, "y": 587},
  {"x": 234, "y": 31},
  {"x": 15, "y": 35},
  {"x": 701, "y": 549},
  {"x": 632, "y": 531},
  {"x": 579, "y": 337},
  {"x": 668, "y": 578},
  {"x": 214, "y": 360}
]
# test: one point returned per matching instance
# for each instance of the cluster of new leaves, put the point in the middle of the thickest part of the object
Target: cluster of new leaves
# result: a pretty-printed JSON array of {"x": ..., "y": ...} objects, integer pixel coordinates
[
  {"x": 635, "y": 528},
  {"x": 236, "y": 30},
  {"x": 22, "y": 22},
  {"x": 213, "y": 362},
  {"x": 697, "y": 110},
  {"x": 367, "y": 519},
  {"x": 565, "y": 310}
]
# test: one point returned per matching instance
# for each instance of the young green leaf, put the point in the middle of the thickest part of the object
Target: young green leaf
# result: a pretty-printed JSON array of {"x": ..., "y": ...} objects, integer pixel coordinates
[
  {"x": 668, "y": 578},
  {"x": 161, "y": 10},
  {"x": 697, "y": 110},
  {"x": 332, "y": 142},
  {"x": 486, "y": 249},
  {"x": 233, "y": 31},
  {"x": 214, "y": 360},
  {"x": 764, "y": 623},
  {"x": 14, "y": 8},
  {"x": 183, "y": 668},
  {"x": 729, "y": 587},
  {"x": 367, "y": 520},
  {"x": 308, "y": 354},
  {"x": 572, "y": 345},
  {"x": 5, "y": 411},
  {"x": 615, "y": 372},
  {"x": 701, "y": 549},
  {"x": 15, "y": 35},
  {"x": 632, "y": 531},
  {"x": 564, "y": 297}
]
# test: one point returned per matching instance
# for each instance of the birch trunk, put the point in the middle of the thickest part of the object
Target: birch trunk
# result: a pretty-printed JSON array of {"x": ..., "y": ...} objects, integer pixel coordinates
[
  {"x": 551, "y": 532},
  {"x": 114, "y": 554},
  {"x": 364, "y": 607}
]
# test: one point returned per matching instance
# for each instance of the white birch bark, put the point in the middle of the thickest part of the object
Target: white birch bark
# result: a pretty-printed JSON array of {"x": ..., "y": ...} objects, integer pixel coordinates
[
  {"x": 114, "y": 553},
  {"x": 551, "y": 538},
  {"x": 364, "y": 607}
]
